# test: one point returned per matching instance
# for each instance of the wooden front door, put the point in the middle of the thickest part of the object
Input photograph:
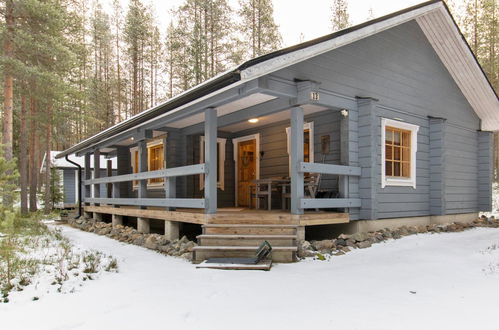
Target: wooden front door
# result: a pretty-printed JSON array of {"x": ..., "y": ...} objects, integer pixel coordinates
[{"x": 246, "y": 170}]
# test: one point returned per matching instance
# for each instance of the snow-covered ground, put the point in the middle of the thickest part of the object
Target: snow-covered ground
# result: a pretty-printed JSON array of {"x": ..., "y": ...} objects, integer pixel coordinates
[{"x": 439, "y": 281}]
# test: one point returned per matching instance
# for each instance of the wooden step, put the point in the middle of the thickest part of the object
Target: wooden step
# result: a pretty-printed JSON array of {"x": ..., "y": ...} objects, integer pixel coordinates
[
  {"x": 245, "y": 240},
  {"x": 263, "y": 265},
  {"x": 250, "y": 229},
  {"x": 279, "y": 253},
  {"x": 256, "y": 217}
]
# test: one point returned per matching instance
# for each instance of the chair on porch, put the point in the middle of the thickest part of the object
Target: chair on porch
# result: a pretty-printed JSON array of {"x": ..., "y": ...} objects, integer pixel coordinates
[
  {"x": 261, "y": 190},
  {"x": 311, "y": 185}
]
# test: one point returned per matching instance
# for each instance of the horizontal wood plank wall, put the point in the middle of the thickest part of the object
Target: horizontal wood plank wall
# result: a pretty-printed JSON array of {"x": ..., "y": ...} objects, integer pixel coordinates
[
  {"x": 226, "y": 196},
  {"x": 437, "y": 166},
  {"x": 400, "y": 69},
  {"x": 69, "y": 186},
  {"x": 461, "y": 189},
  {"x": 485, "y": 171},
  {"x": 273, "y": 142}
]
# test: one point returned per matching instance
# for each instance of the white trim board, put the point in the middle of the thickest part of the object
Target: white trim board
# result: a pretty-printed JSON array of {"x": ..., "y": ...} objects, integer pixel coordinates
[
  {"x": 235, "y": 143},
  {"x": 394, "y": 181},
  {"x": 221, "y": 162},
  {"x": 310, "y": 127}
]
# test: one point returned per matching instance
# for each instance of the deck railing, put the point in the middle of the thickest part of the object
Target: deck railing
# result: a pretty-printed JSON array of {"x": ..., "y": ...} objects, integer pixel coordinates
[
  {"x": 168, "y": 174},
  {"x": 340, "y": 170}
]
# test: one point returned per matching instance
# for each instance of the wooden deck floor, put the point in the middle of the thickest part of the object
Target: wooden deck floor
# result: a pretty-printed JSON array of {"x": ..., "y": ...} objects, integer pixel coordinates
[{"x": 227, "y": 215}]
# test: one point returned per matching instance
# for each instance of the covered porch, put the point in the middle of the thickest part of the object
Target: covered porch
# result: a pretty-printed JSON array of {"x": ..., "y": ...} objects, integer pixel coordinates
[{"x": 204, "y": 162}]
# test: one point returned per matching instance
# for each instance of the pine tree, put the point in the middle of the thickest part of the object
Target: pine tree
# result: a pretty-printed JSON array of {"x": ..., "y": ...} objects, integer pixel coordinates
[
  {"x": 340, "y": 18},
  {"x": 261, "y": 33}
]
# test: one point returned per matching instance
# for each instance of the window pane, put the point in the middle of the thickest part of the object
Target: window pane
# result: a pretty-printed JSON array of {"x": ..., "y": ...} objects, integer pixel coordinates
[
  {"x": 388, "y": 152},
  {"x": 396, "y": 169},
  {"x": 388, "y": 168},
  {"x": 396, "y": 138},
  {"x": 406, "y": 139},
  {"x": 388, "y": 136},
  {"x": 406, "y": 154},
  {"x": 306, "y": 145},
  {"x": 396, "y": 153},
  {"x": 406, "y": 169}
]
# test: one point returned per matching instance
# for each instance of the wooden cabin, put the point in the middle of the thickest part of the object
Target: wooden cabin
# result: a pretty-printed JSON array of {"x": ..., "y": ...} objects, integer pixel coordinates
[
  {"x": 68, "y": 177},
  {"x": 386, "y": 123}
]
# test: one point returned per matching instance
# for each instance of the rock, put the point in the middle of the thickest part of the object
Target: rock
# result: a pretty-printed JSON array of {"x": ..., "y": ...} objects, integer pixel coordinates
[
  {"x": 364, "y": 244},
  {"x": 323, "y": 245},
  {"x": 340, "y": 242},
  {"x": 138, "y": 241},
  {"x": 187, "y": 255},
  {"x": 360, "y": 236},
  {"x": 412, "y": 230},
  {"x": 344, "y": 236},
  {"x": 150, "y": 243},
  {"x": 351, "y": 242},
  {"x": 345, "y": 249},
  {"x": 189, "y": 246},
  {"x": 184, "y": 239}
]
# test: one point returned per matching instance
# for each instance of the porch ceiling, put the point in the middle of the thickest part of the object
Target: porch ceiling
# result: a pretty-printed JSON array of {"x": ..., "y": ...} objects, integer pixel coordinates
[
  {"x": 239, "y": 104},
  {"x": 272, "y": 118}
]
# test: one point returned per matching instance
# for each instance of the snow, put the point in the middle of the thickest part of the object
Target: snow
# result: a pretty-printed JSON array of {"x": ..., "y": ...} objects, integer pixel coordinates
[{"x": 430, "y": 281}]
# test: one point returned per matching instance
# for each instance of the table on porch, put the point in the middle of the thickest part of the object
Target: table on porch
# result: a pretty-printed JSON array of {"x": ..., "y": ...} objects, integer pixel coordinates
[{"x": 263, "y": 188}]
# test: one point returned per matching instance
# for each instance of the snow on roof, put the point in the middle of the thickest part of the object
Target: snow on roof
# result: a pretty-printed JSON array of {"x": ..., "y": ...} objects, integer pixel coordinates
[{"x": 63, "y": 163}]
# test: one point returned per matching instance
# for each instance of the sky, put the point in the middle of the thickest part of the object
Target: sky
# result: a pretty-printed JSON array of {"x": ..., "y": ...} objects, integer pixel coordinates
[{"x": 299, "y": 20}]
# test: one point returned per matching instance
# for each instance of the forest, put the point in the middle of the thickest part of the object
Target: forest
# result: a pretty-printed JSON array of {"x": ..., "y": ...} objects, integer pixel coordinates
[{"x": 72, "y": 68}]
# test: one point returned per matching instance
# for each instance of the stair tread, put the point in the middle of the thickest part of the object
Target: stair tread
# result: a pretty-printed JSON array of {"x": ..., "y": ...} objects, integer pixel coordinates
[
  {"x": 245, "y": 236},
  {"x": 218, "y": 225},
  {"x": 247, "y": 248}
]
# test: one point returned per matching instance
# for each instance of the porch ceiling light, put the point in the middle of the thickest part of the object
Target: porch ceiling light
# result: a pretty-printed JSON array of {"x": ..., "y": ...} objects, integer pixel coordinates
[{"x": 253, "y": 120}]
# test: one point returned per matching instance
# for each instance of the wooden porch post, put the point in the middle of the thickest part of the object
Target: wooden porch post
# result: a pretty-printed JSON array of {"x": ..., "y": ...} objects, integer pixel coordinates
[
  {"x": 297, "y": 188},
  {"x": 172, "y": 228},
  {"x": 87, "y": 188},
  {"x": 143, "y": 224},
  {"x": 121, "y": 189},
  {"x": 97, "y": 216},
  {"x": 210, "y": 152}
]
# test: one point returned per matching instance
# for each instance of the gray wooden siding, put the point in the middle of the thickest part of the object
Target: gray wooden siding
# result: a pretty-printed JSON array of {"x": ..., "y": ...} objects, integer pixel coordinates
[
  {"x": 273, "y": 142},
  {"x": 437, "y": 166},
  {"x": 485, "y": 171},
  {"x": 393, "y": 201},
  {"x": 69, "y": 188},
  {"x": 400, "y": 69},
  {"x": 461, "y": 170}
]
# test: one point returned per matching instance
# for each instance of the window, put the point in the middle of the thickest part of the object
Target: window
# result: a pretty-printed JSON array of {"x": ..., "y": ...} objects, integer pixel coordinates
[
  {"x": 308, "y": 142},
  {"x": 155, "y": 161},
  {"x": 399, "y": 146},
  {"x": 220, "y": 162}
]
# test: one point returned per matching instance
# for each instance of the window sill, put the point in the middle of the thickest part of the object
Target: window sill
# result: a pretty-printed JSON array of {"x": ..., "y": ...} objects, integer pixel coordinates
[{"x": 399, "y": 182}]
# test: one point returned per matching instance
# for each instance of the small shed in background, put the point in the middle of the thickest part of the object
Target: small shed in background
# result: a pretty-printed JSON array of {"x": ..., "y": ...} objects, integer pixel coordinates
[{"x": 68, "y": 174}]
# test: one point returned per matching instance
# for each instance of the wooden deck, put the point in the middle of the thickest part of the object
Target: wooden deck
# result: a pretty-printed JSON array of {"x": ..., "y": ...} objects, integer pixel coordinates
[{"x": 226, "y": 215}]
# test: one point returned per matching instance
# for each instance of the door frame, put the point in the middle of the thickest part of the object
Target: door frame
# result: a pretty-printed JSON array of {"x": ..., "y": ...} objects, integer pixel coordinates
[{"x": 235, "y": 143}]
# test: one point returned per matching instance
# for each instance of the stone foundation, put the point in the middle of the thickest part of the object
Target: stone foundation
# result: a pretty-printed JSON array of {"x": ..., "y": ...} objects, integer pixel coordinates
[
  {"x": 359, "y": 240},
  {"x": 178, "y": 247}
]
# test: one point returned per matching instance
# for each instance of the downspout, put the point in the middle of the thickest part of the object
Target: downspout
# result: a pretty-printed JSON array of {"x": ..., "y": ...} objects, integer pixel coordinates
[{"x": 79, "y": 186}]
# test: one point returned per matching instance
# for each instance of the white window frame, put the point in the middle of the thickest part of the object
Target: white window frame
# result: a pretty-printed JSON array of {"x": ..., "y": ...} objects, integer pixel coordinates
[
  {"x": 221, "y": 161},
  {"x": 396, "y": 181},
  {"x": 310, "y": 127},
  {"x": 150, "y": 144}
]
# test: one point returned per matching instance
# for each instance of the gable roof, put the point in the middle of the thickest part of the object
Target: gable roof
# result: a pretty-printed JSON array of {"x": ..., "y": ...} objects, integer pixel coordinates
[{"x": 434, "y": 19}]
